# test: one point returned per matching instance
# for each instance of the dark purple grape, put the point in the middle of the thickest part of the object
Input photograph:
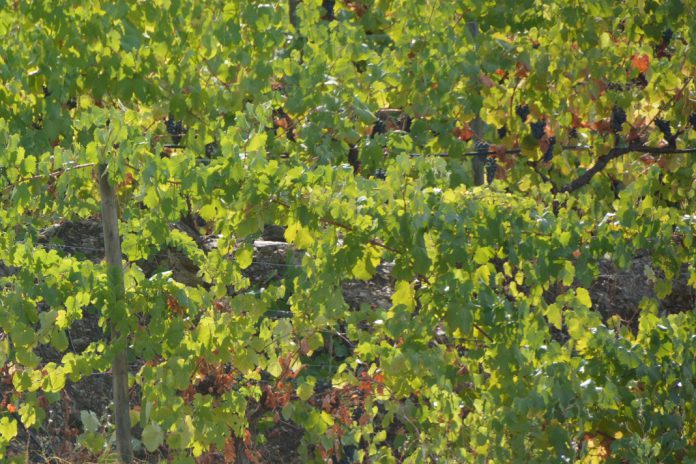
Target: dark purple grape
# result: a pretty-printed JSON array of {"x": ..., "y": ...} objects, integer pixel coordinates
[
  {"x": 548, "y": 154},
  {"x": 406, "y": 122},
  {"x": 379, "y": 128},
  {"x": 522, "y": 111},
  {"x": 640, "y": 81},
  {"x": 692, "y": 120},
  {"x": 667, "y": 36},
  {"x": 328, "y": 6},
  {"x": 176, "y": 129},
  {"x": 481, "y": 146},
  {"x": 211, "y": 149},
  {"x": 354, "y": 158},
  {"x": 618, "y": 117},
  {"x": 349, "y": 454},
  {"x": 491, "y": 167},
  {"x": 322, "y": 385},
  {"x": 538, "y": 129},
  {"x": 502, "y": 132},
  {"x": 664, "y": 127},
  {"x": 573, "y": 134}
]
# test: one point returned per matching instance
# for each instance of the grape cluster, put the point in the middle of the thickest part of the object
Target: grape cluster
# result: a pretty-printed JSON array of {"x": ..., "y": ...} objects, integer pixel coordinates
[
  {"x": 379, "y": 127},
  {"x": 322, "y": 385},
  {"x": 211, "y": 149},
  {"x": 328, "y": 6},
  {"x": 491, "y": 166},
  {"x": 573, "y": 134},
  {"x": 349, "y": 454},
  {"x": 354, "y": 158},
  {"x": 522, "y": 111},
  {"x": 618, "y": 117},
  {"x": 538, "y": 129},
  {"x": 548, "y": 154},
  {"x": 502, "y": 132},
  {"x": 692, "y": 120},
  {"x": 667, "y": 36},
  {"x": 640, "y": 81},
  {"x": 176, "y": 129},
  {"x": 664, "y": 128}
]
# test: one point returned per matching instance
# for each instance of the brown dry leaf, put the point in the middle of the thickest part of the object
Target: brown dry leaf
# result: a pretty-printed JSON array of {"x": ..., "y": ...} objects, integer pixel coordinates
[
  {"x": 464, "y": 133},
  {"x": 647, "y": 159},
  {"x": 486, "y": 81},
  {"x": 663, "y": 162},
  {"x": 521, "y": 70},
  {"x": 304, "y": 346},
  {"x": 634, "y": 134},
  {"x": 281, "y": 122},
  {"x": 230, "y": 451},
  {"x": 499, "y": 150},
  {"x": 602, "y": 126}
]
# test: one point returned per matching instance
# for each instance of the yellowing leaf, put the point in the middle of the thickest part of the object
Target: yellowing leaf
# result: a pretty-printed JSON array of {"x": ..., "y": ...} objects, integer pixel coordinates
[
  {"x": 245, "y": 256},
  {"x": 257, "y": 142},
  {"x": 404, "y": 294},
  {"x": 305, "y": 390},
  {"x": 8, "y": 428},
  {"x": 299, "y": 235},
  {"x": 554, "y": 314},
  {"x": 483, "y": 254},
  {"x": 583, "y": 297}
]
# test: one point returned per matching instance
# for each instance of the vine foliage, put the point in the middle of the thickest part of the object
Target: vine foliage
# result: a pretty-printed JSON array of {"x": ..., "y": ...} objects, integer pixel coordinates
[{"x": 355, "y": 126}]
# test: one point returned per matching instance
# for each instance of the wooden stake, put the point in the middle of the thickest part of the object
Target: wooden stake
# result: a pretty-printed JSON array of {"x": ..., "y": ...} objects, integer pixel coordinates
[{"x": 112, "y": 247}]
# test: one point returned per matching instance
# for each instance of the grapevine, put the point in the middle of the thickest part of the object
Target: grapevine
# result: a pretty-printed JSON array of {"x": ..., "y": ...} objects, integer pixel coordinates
[{"x": 372, "y": 231}]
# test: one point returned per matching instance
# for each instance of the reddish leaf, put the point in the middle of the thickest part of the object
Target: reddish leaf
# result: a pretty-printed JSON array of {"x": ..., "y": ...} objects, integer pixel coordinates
[
  {"x": 640, "y": 62},
  {"x": 464, "y": 133}
]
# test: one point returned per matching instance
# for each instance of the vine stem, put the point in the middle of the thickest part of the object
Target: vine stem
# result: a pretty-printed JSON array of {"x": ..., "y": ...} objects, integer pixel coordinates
[
  {"x": 50, "y": 174},
  {"x": 614, "y": 153}
]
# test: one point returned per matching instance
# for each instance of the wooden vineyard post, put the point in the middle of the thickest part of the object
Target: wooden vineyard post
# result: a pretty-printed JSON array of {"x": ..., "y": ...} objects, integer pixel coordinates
[
  {"x": 112, "y": 247},
  {"x": 292, "y": 9}
]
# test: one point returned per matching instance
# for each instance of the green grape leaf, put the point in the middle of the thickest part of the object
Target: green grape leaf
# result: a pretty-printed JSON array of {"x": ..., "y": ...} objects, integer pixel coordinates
[
  {"x": 89, "y": 421},
  {"x": 152, "y": 437}
]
